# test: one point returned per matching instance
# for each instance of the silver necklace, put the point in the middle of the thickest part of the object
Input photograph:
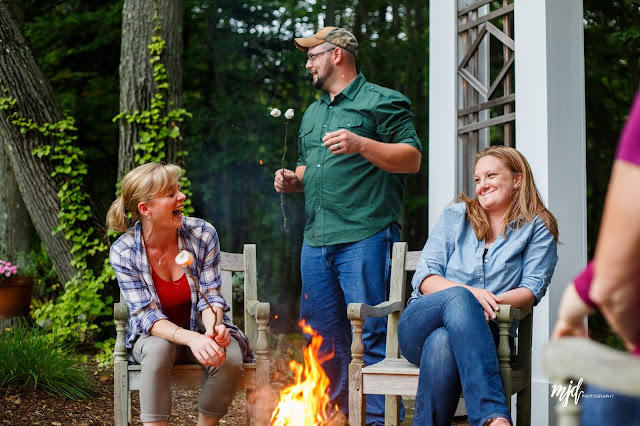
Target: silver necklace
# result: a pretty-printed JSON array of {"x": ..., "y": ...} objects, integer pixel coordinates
[{"x": 162, "y": 257}]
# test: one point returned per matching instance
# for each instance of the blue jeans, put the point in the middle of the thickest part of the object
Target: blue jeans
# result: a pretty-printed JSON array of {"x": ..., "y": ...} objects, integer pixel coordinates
[
  {"x": 603, "y": 407},
  {"x": 332, "y": 277},
  {"x": 446, "y": 334}
]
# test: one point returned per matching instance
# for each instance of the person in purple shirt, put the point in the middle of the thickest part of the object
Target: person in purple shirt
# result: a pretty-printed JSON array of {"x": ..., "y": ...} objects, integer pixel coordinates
[
  {"x": 611, "y": 281},
  {"x": 499, "y": 247}
]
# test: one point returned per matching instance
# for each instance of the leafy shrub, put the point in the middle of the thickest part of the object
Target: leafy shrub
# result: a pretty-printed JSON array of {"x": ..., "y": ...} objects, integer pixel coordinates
[
  {"x": 31, "y": 358},
  {"x": 104, "y": 357}
]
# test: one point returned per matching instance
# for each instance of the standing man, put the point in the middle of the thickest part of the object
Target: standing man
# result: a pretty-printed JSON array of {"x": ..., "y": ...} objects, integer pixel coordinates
[{"x": 356, "y": 145}]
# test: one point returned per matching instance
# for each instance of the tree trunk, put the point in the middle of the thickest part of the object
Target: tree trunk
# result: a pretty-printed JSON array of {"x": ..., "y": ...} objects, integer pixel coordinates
[
  {"x": 137, "y": 86},
  {"x": 22, "y": 79},
  {"x": 330, "y": 18},
  {"x": 17, "y": 233}
]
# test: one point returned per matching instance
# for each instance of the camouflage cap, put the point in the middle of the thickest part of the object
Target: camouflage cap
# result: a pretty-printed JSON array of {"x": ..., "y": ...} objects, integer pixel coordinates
[{"x": 337, "y": 36}]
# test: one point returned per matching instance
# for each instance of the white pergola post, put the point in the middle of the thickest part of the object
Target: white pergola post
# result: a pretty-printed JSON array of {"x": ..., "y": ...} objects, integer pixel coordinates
[
  {"x": 550, "y": 132},
  {"x": 443, "y": 39}
]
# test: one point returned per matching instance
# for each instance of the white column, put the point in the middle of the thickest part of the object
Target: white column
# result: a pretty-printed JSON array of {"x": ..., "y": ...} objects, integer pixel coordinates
[
  {"x": 550, "y": 132},
  {"x": 442, "y": 105}
]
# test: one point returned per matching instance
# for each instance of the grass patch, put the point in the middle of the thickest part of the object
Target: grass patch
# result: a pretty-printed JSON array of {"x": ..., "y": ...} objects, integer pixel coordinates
[{"x": 32, "y": 358}]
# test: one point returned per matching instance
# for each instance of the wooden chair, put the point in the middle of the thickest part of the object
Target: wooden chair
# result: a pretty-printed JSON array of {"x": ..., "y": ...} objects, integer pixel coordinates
[
  {"x": 256, "y": 316},
  {"x": 572, "y": 358},
  {"x": 395, "y": 376}
]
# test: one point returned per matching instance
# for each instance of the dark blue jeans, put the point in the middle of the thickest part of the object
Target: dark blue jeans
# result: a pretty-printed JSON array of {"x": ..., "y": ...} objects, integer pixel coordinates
[
  {"x": 603, "y": 407},
  {"x": 447, "y": 336},
  {"x": 332, "y": 277}
]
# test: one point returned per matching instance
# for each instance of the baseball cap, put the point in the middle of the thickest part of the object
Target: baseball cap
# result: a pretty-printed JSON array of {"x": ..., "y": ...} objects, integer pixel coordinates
[{"x": 338, "y": 36}]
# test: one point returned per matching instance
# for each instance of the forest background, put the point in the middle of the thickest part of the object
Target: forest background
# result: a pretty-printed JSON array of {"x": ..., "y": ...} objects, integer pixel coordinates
[{"x": 228, "y": 62}]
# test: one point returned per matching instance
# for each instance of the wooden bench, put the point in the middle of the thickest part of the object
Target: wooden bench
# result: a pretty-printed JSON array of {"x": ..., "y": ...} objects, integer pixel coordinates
[
  {"x": 256, "y": 317},
  {"x": 574, "y": 358},
  {"x": 395, "y": 376}
]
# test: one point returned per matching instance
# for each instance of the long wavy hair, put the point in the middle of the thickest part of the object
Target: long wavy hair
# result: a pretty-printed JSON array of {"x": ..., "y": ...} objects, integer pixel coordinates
[
  {"x": 141, "y": 184},
  {"x": 526, "y": 203}
]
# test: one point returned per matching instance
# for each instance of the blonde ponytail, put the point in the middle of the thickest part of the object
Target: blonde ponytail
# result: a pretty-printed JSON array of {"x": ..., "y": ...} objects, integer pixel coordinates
[{"x": 117, "y": 216}]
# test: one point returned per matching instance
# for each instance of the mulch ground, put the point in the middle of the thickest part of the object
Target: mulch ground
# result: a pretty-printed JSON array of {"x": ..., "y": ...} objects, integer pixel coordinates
[{"x": 35, "y": 407}]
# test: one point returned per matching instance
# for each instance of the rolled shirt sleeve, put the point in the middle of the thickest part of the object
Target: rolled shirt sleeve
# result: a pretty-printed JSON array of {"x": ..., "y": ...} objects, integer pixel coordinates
[
  {"x": 210, "y": 281},
  {"x": 395, "y": 120},
  {"x": 439, "y": 246},
  {"x": 539, "y": 260}
]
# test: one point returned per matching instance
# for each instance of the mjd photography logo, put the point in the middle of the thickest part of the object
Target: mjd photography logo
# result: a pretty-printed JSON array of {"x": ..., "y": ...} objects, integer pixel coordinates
[
  {"x": 574, "y": 391},
  {"x": 565, "y": 392}
]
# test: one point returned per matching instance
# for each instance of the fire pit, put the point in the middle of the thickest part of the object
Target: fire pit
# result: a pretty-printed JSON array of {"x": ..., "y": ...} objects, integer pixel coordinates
[{"x": 306, "y": 402}]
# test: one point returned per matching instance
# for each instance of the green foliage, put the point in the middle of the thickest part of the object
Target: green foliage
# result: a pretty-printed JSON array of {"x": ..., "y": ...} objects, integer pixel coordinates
[
  {"x": 34, "y": 358},
  {"x": 157, "y": 125},
  {"x": 237, "y": 295},
  {"x": 104, "y": 357},
  {"x": 612, "y": 78},
  {"x": 45, "y": 277},
  {"x": 77, "y": 44},
  {"x": 74, "y": 312}
]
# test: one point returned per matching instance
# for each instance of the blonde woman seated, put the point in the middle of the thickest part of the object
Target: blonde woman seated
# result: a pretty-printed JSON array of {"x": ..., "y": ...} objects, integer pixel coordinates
[
  {"x": 168, "y": 322},
  {"x": 499, "y": 247}
]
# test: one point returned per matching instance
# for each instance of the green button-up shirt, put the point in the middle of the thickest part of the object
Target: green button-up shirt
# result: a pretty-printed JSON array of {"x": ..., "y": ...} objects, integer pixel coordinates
[{"x": 347, "y": 198}]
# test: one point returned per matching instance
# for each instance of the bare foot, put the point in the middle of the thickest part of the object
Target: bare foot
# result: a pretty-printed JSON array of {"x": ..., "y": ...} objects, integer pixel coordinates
[{"x": 498, "y": 421}]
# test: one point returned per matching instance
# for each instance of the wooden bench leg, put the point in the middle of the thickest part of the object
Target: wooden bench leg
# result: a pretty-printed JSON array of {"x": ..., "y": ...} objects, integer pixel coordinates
[
  {"x": 121, "y": 395},
  {"x": 392, "y": 410},
  {"x": 356, "y": 396}
]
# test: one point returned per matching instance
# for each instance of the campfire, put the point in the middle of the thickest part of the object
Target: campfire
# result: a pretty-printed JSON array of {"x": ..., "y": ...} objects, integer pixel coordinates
[{"x": 306, "y": 402}]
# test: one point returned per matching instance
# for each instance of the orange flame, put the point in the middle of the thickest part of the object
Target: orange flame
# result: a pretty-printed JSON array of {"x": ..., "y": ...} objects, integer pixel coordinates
[{"x": 305, "y": 402}]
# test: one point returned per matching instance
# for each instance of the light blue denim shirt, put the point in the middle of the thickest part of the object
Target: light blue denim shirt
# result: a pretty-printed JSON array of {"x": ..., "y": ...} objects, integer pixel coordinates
[{"x": 526, "y": 258}]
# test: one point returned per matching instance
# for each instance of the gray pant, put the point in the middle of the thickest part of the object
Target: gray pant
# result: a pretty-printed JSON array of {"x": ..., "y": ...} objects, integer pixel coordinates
[{"x": 157, "y": 355}]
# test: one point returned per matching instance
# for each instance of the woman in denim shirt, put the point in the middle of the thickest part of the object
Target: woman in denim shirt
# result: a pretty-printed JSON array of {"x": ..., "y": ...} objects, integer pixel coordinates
[{"x": 499, "y": 247}]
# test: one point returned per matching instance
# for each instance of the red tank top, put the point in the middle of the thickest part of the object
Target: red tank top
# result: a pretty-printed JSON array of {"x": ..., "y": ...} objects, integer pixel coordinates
[{"x": 175, "y": 298}]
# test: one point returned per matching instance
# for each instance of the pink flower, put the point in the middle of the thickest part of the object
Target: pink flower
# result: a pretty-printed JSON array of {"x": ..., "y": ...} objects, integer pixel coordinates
[{"x": 7, "y": 269}]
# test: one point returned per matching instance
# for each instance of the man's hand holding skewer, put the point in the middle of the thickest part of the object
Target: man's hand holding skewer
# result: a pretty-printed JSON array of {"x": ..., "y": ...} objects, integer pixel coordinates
[{"x": 286, "y": 181}]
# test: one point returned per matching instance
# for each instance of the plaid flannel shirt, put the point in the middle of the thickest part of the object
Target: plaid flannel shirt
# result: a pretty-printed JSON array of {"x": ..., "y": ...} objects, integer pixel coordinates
[{"x": 128, "y": 258}]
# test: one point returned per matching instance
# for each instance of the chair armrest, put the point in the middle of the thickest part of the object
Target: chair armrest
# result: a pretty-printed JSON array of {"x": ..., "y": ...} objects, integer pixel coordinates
[
  {"x": 357, "y": 313},
  {"x": 508, "y": 314},
  {"x": 259, "y": 310},
  {"x": 505, "y": 317},
  {"x": 120, "y": 316},
  {"x": 361, "y": 311},
  {"x": 575, "y": 358},
  {"x": 257, "y": 333}
]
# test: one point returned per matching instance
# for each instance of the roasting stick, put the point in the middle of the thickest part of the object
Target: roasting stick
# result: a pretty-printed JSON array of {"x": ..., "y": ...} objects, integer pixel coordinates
[{"x": 185, "y": 258}]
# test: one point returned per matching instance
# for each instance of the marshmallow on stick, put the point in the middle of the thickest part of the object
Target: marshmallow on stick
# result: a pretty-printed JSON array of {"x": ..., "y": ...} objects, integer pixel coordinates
[{"x": 184, "y": 258}]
